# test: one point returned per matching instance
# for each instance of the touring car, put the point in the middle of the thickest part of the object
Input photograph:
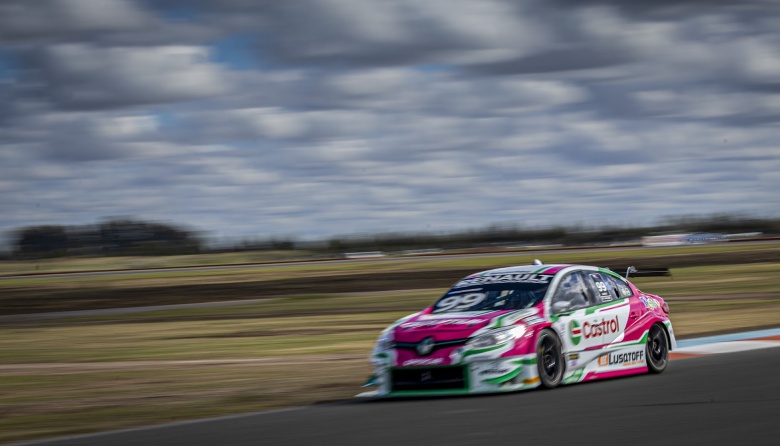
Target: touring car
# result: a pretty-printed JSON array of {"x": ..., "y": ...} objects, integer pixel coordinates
[{"x": 522, "y": 327}]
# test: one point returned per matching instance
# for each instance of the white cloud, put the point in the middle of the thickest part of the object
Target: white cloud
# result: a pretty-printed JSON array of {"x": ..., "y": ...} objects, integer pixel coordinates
[
  {"x": 704, "y": 104},
  {"x": 374, "y": 81},
  {"x": 127, "y": 127},
  {"x": 49, "y": 19},
  {"x": 259, "y": 122},
  {"x": 100, "y": 14},
  {"x": 760, "y": 59},
  {"x": 318, "y": 117},
  {"x": 84, "y": 76}
]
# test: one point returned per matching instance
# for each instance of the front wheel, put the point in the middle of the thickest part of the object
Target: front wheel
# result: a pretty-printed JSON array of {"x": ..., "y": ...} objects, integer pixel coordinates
[
  {"x": 549, "y": 359},
  {"x": 657, "y": 349}
]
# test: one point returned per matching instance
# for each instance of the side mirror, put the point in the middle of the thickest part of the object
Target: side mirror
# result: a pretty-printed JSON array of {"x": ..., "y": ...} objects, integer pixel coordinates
[{"x": 561, "y": 306}]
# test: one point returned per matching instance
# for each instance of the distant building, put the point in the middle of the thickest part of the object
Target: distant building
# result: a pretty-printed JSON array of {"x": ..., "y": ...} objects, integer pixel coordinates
[
  {"x": 665, "y": 240},
  {"x": 682, "y": 239},
  {"x": 705, "y": 237}
]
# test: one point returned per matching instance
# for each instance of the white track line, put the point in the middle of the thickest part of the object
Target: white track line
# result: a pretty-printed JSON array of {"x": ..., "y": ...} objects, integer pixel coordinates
[{"x": 727, "y": 347}]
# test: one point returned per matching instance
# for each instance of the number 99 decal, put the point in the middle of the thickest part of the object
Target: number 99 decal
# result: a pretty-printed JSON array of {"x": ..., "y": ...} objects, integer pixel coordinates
[{"x": 459, "y": 302}]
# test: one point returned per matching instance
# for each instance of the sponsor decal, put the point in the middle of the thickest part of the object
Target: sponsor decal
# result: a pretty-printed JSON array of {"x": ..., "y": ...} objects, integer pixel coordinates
[
  {"x": 460, "y": 302},
  {"x": 575, "y": 332},
  {"x": 423, "y": 361},
  {"x": 600, "y": 285},
  {"x": 494, "y": 371},
  {"x": 596, "y": 329},
  {"x": 623, "y": 359},
  {"x": 592, "y": 329},
  {"x": 504, "y": 278},
  {"x": 650, "y": 303}
]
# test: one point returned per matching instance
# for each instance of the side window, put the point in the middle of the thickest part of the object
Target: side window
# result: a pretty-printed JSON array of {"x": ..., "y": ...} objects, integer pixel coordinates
[
  {"x": 621, "y": 288},
  {"x": 571, "y": 294},
  {"x": 603, "y": 289}
]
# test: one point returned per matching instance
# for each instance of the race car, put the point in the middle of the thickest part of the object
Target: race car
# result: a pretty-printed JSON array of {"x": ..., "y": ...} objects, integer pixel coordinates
[{"x": 522, "y": 327}]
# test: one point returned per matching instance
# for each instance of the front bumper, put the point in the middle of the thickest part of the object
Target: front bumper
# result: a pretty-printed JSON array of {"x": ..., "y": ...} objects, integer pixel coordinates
[{"x": 477, "y": 376}]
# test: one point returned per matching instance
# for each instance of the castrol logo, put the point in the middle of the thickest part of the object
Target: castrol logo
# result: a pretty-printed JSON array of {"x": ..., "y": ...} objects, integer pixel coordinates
[{"x": 600, "y": 328}]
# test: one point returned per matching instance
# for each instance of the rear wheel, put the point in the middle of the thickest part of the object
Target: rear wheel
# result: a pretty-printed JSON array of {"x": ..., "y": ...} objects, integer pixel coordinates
[
  {"x": 549, "y": 359},
  {"x": 657, "y": 349}
]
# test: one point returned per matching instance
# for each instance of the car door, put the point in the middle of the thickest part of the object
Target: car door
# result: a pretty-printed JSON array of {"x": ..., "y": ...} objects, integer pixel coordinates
[
  {"x": 611, "y": 307},
  {"x": 570, "y": 305}
]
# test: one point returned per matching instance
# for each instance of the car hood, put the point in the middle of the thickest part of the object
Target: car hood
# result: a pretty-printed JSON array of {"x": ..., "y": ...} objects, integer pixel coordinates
[{"x": 451, "y": 326}]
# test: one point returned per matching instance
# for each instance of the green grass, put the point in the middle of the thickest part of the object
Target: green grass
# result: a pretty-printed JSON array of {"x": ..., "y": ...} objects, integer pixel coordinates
[
  {"x": 519, "y": 257},
  {"x": 73, "y": 264},
  {"x": 36, "y": 406},
  {"x": 186, "y": 340}
]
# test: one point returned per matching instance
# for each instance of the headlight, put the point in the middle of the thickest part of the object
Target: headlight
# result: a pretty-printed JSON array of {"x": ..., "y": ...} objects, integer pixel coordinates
[
  {"x": 497, "y": 337},
  {"x": 385, "y": 341}
]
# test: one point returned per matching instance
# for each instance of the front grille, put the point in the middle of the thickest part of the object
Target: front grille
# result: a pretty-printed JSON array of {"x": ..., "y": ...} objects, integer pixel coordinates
[
  {"x": 428, "y": 378},
  {"x": 436, "y": 346}
]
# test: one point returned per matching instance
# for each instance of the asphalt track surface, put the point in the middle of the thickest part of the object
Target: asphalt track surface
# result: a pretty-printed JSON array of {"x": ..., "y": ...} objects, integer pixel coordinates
[{"x": 717, "y": 399}]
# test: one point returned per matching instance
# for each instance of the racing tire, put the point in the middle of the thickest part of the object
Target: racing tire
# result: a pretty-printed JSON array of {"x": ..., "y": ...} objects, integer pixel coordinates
[
  {"x": 549, "y": 359},
  {"x": 657, "y": 349}
]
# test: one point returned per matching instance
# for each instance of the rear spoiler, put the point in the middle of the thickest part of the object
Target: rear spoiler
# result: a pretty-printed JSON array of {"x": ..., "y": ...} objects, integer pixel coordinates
[{"x": 647, "y": 272}]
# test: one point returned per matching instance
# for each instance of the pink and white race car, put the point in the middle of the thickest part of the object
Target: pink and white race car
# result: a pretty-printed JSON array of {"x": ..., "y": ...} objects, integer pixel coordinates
[{"x": 522, "y": 327}]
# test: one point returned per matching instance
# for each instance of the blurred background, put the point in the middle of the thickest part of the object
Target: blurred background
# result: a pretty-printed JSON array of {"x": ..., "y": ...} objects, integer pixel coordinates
[
  {"x": 311, "y": 118},
  {"x": 196, "y": 144}
]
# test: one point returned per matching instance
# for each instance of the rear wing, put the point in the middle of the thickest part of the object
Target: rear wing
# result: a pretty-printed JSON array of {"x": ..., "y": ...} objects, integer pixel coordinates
[{"x": 647, "y": 272}]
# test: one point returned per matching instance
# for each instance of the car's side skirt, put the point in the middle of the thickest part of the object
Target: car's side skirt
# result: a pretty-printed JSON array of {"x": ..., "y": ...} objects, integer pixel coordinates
[{"x": 628, "y": 358}]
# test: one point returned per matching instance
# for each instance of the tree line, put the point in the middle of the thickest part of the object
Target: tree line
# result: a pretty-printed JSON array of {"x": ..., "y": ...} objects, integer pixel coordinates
[
  {"x": 574, "y": 235},
  {"x": 136, "y": 237},
  {"x": 113, "y": 237}
]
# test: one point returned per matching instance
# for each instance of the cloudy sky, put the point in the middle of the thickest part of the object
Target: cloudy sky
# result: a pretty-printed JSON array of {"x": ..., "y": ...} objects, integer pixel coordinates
[{"x": 310, "y": 118}]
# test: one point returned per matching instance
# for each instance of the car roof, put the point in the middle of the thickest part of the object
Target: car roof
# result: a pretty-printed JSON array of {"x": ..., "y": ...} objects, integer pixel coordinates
[
  {"x": 537, "y": 269},
  {"x": 551, "y": 269}
]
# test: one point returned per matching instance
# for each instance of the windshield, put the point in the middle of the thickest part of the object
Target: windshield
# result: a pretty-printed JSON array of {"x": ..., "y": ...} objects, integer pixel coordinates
[{"x": 492, "y": 297}]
